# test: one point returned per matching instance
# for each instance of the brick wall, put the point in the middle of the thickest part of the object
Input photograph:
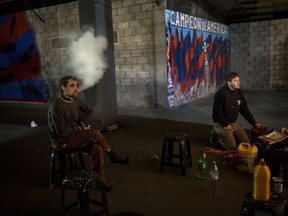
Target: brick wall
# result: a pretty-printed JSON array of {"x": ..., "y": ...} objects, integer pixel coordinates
[
  {"x": 259, "y": 50},
  {"x": 61, "y": 23},
  {"x": 279, "y": 54},
  {"x": 135, "y": 52},
  {"x": 259, "y": 53}
]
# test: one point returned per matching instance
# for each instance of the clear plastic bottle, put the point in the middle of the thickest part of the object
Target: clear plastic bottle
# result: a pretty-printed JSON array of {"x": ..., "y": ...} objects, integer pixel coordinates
[
  {"x": 202, "y": 166},
  {"x": 213, "y": 178}
]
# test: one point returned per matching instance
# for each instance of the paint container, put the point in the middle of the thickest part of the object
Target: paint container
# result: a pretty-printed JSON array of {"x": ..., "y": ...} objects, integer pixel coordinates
[
  {"x": 277, "y": 185},
  {"x": 246, "y": 157},
  {"x": 261, "y": 182}
]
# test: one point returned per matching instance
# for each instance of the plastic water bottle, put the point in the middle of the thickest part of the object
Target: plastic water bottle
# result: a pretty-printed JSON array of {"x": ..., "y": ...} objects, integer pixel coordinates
[
  {"x": 202, "y": 166},
  {"x": 213, "y": 178}
]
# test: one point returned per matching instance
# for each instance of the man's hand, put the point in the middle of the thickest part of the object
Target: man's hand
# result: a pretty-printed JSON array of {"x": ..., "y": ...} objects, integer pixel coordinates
[
  {"x": 84, "y": 127},
  {"x": 258, "y": 125},
  {"x": 229, "y": 127}
]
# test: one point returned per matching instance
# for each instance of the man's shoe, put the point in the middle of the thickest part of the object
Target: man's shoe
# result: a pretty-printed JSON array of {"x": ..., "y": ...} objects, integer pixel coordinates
[
  {"x": 116, "y": 158},
  {"x": 213, "y": 138},
  {"x": 107, "y": 187}
]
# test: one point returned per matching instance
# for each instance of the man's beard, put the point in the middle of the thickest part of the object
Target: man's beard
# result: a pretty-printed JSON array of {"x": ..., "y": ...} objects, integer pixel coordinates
[{"x": 74, "y": 95}]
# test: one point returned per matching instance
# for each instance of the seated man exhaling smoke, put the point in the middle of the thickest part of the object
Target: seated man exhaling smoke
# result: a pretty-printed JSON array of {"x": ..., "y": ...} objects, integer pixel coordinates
[{"x": 67, "y": 131}]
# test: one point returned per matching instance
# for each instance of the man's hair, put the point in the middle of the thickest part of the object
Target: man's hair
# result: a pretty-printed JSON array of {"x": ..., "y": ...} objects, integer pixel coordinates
[
  {"x": 231, "y": 76},
  {"x": 64, "y": 80}
]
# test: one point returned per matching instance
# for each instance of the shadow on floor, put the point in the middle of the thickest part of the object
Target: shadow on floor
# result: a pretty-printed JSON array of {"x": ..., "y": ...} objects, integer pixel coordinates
[{"x": 137, "y": 187}]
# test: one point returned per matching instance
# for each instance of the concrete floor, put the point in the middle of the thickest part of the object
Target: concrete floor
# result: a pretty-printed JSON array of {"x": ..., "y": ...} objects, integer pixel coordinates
[{"x": 139, "y": 186}]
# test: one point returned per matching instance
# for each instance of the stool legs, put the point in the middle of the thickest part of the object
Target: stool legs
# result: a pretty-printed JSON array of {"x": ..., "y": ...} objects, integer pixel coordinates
[
  {"x": 182, "y": 158},
  {"x": 83, "y": 199},
  {"x": 188, "y": 153},
  {"x": 52, "y": 170},
  {"x": 62, "y": 165},
  {"x": 184, "y": 155},
  {"x": 104, "y": 199},
  {"x": 163, "y": 155}
]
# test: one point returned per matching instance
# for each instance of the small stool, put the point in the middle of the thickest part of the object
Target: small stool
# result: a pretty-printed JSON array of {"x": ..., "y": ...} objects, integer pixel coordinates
[
  {"x": 184, "y": 153},
  {"x": 81, "y": 181},
  {"x": 276, "y": 205},
  {"x": 63, "y": 156}
]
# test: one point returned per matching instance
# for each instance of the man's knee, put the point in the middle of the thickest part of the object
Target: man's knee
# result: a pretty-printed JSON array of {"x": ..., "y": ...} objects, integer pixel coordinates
[
  {"x": 218, "y": 140},
  {"x": 227, "y": 140}
]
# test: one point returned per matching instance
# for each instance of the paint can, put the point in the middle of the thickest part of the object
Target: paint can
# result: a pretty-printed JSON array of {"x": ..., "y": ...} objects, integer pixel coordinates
[{"x": 277, "y": 185}]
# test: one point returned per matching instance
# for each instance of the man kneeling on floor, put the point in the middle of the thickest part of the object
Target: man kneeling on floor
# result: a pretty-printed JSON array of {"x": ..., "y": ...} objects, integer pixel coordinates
[
  {"x": 228, "y": 102},
  {"x": 68, "y": 131}
]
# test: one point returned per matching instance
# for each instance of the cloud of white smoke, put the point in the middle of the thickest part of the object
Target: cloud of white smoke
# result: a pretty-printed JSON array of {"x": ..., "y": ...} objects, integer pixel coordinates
[{"x": 86, "y": 58}]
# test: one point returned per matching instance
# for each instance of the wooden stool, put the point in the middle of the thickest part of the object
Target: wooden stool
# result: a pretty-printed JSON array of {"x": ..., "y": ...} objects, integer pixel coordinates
[
  {"x": 276, "y": 205},
  {"x": 81, "y": 181},
  {"x": 184, "y": 152},
  {"x": 63, "y": 156}
]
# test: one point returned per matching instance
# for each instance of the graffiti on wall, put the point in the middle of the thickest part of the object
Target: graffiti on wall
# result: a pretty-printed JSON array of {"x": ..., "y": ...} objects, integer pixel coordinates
[
  {"x": 20, "y": 66},
  {"x": 196, "y": 56}
]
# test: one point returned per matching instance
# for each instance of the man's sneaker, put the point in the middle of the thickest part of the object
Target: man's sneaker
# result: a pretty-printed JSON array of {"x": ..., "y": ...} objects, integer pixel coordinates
[
  {"x": 213, "y": 138},
  {"x": 116, "y": 158}
]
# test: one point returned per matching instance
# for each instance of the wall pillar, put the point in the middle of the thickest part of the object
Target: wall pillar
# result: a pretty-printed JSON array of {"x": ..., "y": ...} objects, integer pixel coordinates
[
  {"x": 160, "y": 58},
  {"x": 102, "y": 96}
]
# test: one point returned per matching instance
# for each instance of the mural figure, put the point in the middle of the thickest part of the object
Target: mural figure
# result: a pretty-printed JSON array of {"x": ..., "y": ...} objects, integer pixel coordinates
[
  {"x": 20, "y": 67},
  {"x": 196, "y": 57},
  {"x": 206, "y": 67}
]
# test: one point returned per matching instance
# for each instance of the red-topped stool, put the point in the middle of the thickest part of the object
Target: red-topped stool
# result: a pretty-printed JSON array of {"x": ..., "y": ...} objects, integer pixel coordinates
[{"x": 183, "y": 156}]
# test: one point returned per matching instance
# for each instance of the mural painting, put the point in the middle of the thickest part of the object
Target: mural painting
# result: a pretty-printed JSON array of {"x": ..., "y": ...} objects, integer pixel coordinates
[
  {"x": 197, "y": 52},
  {"x": 20, "y": 66}
]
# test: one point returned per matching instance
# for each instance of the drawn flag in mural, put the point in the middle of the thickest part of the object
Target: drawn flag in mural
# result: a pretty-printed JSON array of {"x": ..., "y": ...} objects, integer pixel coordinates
[
  {"x": 20, "y": 67},
  {"x": 196, "y": 57}
]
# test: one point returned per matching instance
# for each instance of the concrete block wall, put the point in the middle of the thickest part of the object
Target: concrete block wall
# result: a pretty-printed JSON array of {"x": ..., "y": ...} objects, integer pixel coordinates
[
  {"x": 133, "y": 21},
  {"x": 61, "y": 24},
  {"x": 258, "y": 52},
  {"x": 279, "y": 54}
]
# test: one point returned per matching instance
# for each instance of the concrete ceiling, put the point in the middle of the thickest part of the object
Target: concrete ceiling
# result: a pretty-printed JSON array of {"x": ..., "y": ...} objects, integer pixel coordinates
[
  {"x": 236, "y": 11},
  {"x": 12, "y": 6},
  {"x": 233, "y": 11}
]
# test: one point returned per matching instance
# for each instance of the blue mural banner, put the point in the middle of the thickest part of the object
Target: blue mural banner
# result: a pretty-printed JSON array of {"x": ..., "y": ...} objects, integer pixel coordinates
[
  {"x": 20, "y": 66},
  {"x": 197, "y": 56}
]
